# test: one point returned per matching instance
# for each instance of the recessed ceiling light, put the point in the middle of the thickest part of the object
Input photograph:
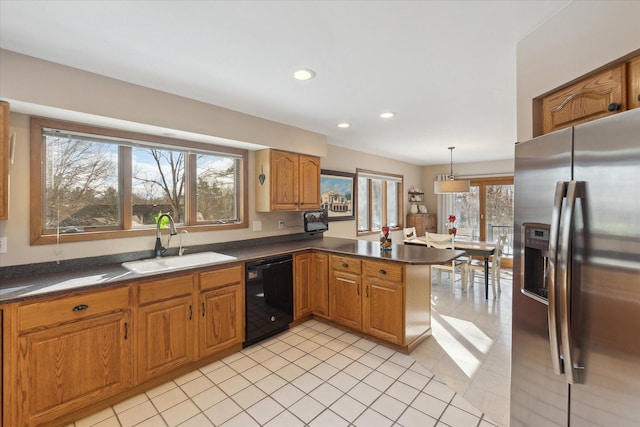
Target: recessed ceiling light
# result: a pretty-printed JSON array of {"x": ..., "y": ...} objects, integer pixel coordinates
[
  {"x": 343, "y": 125},
  {"x": 304, "y": 74},
  {"x": 387, "y": 115}
]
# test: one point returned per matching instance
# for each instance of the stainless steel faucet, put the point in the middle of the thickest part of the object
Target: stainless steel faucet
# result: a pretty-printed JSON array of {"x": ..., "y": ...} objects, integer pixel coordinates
[{"x": 159, "y": 249}]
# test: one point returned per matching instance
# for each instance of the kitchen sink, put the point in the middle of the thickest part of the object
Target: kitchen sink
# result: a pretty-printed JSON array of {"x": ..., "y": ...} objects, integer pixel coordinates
[{"x": 154, "y": 265}]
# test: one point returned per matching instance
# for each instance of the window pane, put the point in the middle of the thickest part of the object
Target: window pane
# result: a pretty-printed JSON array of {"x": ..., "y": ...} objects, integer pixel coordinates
[
  {"x": 217, "y": 194},
  {"x": 363, "y": 204},
  {"x": 500, "y": 214},
  {"x": 81, "y": 184},
  {"x": 467, "y": 212},
  {"x": 157, "y": 185},
  {"x": 376, "y": 204},
  {"x": 392, "y": 204}
]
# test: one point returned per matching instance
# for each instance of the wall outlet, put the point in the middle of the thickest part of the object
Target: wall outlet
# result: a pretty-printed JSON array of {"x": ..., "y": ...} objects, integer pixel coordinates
[
  {"x": 3, "y": 245},
  {"x": 280, "y": 224},
  {"x": 257, "y": 225}
]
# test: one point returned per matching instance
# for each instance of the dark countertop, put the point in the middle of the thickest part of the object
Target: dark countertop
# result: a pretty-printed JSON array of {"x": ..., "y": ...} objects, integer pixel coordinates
[{"x": 75, "y": 276}]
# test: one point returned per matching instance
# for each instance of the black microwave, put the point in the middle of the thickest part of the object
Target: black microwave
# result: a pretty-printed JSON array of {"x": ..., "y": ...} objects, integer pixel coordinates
[{"x": 316, "y": 221}]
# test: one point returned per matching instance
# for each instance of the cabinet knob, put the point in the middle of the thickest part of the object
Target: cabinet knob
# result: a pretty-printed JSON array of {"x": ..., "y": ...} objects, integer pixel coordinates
[
  {"x": 381, "y": 271},
  {"x": 345, "y": 265},
  {"x": 80, "y": 307},
  {"x": 613, "y": 106}
]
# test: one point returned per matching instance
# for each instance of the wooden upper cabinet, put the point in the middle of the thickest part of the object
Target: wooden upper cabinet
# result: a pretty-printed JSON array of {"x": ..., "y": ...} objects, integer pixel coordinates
[
  {"x": 597, "y": 96},
  {"x": 309, "y": 182},
  {"x": 633, "y": 85},
  {"x": 4, "y": 160},
  {"x": 286, "y": 181}
]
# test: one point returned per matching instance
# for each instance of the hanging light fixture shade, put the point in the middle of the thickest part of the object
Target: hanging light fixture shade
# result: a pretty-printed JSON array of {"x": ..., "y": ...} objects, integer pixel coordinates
[{"x": 451, "y": 185}]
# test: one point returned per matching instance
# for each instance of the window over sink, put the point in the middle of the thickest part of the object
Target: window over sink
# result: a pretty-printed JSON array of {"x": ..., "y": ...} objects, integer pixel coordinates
[{"x": 90, "y": 183}]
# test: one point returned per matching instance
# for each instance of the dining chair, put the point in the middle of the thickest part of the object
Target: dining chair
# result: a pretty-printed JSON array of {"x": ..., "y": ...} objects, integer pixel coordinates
[
  {"x": 494, "y": 266},
  {"x": 445, "y": 241},
  {"x": 409, "y": 233}
]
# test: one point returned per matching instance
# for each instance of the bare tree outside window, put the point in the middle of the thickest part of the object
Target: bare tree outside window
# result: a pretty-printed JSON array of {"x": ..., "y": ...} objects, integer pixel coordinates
[
  {"x": 81, "y": 184},
  {"x": 158, "y": 184},
  {"x": 217, "y": 182}
]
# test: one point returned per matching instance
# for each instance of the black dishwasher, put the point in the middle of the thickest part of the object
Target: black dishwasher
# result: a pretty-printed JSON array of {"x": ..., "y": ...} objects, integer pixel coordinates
[{"x": 269, "y": 297}]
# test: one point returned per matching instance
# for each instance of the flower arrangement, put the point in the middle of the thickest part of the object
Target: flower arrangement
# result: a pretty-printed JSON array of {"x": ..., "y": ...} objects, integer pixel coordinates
[
  {"x": 385, "y": 239},
  {"x": 451, "y": 225}
]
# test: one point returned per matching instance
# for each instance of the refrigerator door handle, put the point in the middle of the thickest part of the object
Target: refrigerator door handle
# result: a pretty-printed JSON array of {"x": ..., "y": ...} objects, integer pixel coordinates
[
  {"x": 575, "y": 190},
  {"x": 554, "y": 236}
]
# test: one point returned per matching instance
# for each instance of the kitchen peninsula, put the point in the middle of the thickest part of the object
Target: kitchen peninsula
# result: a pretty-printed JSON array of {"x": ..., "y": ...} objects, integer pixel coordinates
[{"x": 95, "y": 316}]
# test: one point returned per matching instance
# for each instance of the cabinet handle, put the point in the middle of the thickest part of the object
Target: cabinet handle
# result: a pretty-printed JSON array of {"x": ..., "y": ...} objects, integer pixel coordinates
[
  {"x": 367, "y": 291},
  {"x": 638, "y": 97},
  {"x": 202, "y": 309},
  {"x": 126, "y": 330},
  {"x": 345, "y": 265},
  {"x": 358, "y": 288},
  {"x": 80, "y": 307},
  {"x": 613, "y": 106},
  {"x": 190, "y": 312},
  {"x": 381, "y": 271}
]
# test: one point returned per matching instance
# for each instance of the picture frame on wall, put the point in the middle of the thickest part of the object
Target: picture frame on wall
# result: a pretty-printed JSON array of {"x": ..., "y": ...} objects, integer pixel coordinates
[{"x": 338, "y": 194}]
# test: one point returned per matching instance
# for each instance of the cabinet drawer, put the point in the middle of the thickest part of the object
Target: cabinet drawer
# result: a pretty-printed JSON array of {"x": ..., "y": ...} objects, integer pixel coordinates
[
  {"x": 383, "y": 271},
  {"x": 162, "y": 289},
  {"x": 343, "y": 263},
  {"x": 222, "y": 277},
  {"x": 71, "y": 308}
]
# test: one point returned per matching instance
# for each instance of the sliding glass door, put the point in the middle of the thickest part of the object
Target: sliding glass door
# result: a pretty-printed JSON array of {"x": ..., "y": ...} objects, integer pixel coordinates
[{"x": 486, "y": 212}]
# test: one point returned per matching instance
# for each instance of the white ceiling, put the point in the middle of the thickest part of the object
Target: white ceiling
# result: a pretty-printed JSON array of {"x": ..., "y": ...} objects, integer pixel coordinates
[{"x": 446, "y": 68}]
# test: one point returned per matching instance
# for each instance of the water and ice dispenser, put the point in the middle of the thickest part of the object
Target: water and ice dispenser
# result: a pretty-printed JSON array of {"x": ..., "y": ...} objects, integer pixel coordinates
[{"x": 535, "y": 243}]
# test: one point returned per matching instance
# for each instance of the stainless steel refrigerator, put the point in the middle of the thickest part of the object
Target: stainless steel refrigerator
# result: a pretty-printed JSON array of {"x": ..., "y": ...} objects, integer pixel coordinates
[{"x": 576, "y": 269}]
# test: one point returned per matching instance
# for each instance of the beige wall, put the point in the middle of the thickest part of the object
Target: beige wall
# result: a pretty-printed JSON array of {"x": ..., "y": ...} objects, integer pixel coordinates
[
  {"x": 582, "y": 37},
  {"x": 345, "y": 160}
]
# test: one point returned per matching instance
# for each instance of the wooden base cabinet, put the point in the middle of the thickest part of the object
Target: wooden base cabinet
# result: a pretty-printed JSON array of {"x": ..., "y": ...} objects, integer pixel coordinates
[
  {"x": 386, "y": 300},
  {"x": 69, "y": 352},
  {"x": 221, "y": 309},
  {"x": 320, "y": 285},
  {"x": 302, "y": 285},
  {"x": 383, "y": 301},
  {"x": 165, "y": 326},
  {"x": 346, "y": 291}
]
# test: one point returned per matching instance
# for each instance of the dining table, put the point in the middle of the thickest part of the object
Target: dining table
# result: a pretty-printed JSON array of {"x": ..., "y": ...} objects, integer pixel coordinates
[{"x": 472, "y": 248}]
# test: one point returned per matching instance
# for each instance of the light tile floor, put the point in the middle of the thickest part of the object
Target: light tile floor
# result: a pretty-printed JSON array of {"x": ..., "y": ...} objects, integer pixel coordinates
[
  {"x": 470, "y": 349},
  {"x": 317, "y": 375}
]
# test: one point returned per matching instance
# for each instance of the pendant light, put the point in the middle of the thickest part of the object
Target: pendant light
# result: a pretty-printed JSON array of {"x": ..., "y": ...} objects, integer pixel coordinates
[{"x": 451, "y": 185}]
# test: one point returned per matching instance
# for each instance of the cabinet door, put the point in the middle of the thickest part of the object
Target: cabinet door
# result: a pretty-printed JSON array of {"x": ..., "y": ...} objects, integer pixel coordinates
[
  {"x": 346, "y": 299},
  {"x": 165, "y": 336},
  {"x": 383, "y": 310},
  {"x": 222, "y": 314},
  {"x": 309, "y": 187},
  {"x": 586, "y": 100},
  {"x": 64, "y": 368},
  {"x": 284, "y": 180},
  {"x": 302, "y": 285},
  {"x": 633, "y": 77},
  {"x": 320, "y": 285}
]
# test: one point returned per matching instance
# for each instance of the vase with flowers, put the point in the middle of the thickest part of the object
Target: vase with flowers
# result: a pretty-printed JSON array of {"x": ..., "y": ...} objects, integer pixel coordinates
[
  {"x": 451, "y": 226},
  {"x": 385, "y": 239}
]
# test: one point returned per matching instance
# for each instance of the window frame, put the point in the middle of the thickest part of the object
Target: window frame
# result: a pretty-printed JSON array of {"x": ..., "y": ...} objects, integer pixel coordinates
[
  {"x": 399, "y": 201},
  {"x": 40, "y": 236}
]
